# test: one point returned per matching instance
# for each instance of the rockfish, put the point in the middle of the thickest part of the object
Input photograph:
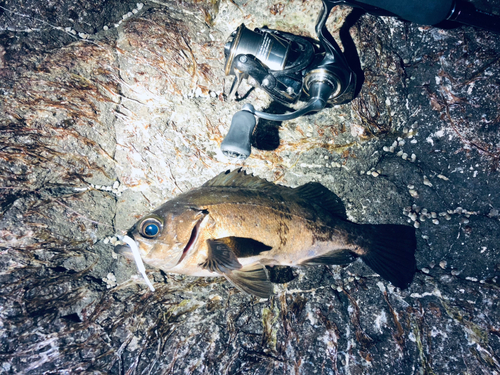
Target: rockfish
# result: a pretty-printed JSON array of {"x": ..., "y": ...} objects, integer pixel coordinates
[{"x": 237, "y": 224}]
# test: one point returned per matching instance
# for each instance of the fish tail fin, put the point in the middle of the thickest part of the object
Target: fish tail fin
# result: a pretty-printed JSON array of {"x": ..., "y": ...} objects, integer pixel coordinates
[{"x": 391, "y": 253}]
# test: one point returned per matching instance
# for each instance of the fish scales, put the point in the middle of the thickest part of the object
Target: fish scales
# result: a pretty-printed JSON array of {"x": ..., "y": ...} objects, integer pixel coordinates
[
  {"x": 236, "y": 224},
  {"x": 239, "y": 212},
  {"x": 288, "y": 235}
]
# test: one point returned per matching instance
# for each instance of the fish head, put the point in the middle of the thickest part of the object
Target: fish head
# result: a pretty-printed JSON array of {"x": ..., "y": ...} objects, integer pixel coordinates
[{"x": 165, "y": 238}]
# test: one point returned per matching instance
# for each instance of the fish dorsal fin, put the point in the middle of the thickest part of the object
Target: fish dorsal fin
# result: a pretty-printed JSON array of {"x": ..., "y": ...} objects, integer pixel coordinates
[
  {"x": 316, "y": 193},
  {"x": 239, "y": 178},
  {"x": 312, "y": 192},
  {"x": 252, "y": 279}
]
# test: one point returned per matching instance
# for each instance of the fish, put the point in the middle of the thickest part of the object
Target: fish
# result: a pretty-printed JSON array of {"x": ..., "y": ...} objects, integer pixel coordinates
[{"x": 236, "y": 224}]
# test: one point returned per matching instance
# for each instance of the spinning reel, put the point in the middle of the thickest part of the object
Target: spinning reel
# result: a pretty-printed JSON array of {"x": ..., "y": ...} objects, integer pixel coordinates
[
  {"x": 287, "y": 67},
  {"x": 291, "y": 68}
]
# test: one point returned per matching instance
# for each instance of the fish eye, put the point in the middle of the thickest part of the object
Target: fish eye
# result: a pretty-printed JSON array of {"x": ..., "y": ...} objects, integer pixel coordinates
[{"x": 150, "y": 228}]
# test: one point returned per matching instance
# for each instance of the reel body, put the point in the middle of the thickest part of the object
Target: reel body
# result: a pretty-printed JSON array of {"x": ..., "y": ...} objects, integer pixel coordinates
[
  {"x": 288, "y": 68},
  {"x": 269, "y": 59}
]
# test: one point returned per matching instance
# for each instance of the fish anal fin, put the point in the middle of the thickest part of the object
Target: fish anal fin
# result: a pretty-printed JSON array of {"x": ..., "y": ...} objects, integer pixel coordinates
[
  {"x": 252, "y": 279},
  {"x": 221, "y": 258},
  {"x": 338, "y": 257},
  {"x": 323, "y": 197}
]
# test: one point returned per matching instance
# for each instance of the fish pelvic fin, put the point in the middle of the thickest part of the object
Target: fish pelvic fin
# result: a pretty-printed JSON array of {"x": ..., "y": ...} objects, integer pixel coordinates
[
  {"x": 221, "y": 258},
  {"x": 252, "y": 279},
  {"x": 391, "y": 253}
]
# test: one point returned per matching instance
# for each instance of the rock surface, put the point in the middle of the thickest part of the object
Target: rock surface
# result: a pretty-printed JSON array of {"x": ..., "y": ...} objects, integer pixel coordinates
[{"x": 109, "y": 108}]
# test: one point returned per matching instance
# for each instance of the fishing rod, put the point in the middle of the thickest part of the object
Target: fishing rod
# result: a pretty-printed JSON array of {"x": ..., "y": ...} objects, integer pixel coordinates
[{"x": 290, "y": 68}]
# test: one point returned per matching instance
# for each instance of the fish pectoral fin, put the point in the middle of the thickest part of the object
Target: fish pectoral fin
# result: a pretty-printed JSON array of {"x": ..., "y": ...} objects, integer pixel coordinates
[
  {"x": 338, "y": 257},
  {"x": 244, "y": 247},
  {"x": 221, "y": 258},
  {"x": 252, "y": 279}
]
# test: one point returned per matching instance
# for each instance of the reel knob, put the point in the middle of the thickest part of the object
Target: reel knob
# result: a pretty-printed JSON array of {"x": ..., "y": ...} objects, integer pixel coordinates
[{"x": 237, "y": 143}]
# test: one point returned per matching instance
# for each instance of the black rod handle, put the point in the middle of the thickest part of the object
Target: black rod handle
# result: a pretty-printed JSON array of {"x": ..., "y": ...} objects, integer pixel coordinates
[
  {"x": 429, "y": 12},
  {"x": 424, "y": 12},
  {"x": 468, "y": 14}
]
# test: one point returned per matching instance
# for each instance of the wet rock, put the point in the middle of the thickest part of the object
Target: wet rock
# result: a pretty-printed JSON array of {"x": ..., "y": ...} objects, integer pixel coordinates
[{"x": 110, "y": 108}]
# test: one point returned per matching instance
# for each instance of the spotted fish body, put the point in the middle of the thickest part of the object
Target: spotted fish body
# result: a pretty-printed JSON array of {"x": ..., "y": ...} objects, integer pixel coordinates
[{"x": 236, "y": 224}]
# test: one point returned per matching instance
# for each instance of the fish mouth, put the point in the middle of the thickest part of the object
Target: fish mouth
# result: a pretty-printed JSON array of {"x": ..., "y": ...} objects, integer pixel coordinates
[
  {"x": 124, "y": 250},
  {"x": 192, "y": 239}
]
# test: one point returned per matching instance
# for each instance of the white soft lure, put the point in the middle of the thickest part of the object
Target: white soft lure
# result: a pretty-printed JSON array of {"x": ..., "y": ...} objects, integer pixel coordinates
[{"x": 138, "y": 260}]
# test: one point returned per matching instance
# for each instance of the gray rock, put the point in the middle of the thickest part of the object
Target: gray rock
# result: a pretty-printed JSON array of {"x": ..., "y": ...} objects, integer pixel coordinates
[{"x": 100, "y": 124}]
